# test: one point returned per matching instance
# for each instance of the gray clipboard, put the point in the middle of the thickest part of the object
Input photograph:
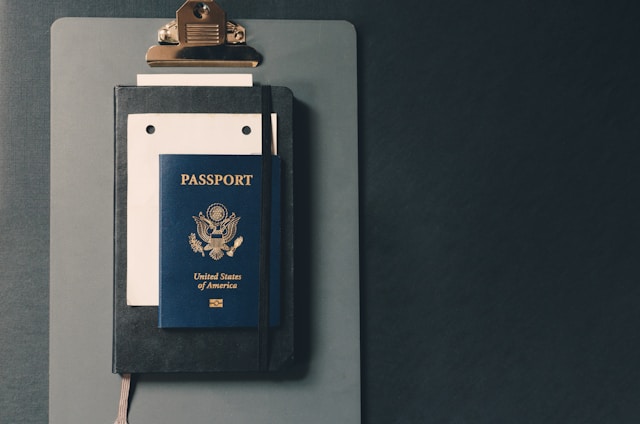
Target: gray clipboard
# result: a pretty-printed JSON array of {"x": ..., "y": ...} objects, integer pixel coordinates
[{"x": 317, "y": 60}]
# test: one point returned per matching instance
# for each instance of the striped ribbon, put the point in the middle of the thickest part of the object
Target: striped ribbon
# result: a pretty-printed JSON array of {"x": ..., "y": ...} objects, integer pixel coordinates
[{"x": 123, "y": 406}]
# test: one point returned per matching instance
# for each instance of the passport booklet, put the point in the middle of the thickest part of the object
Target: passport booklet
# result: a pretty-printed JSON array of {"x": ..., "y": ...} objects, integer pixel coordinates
[{"x": 210, "y": 226}]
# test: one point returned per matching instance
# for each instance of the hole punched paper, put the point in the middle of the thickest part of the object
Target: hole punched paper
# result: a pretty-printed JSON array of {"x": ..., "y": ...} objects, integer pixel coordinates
[{"x": 198, "y": 133}]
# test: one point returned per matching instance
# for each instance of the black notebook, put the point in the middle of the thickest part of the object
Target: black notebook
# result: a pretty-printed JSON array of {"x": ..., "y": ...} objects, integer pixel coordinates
[{"x": 139, "y": 344}]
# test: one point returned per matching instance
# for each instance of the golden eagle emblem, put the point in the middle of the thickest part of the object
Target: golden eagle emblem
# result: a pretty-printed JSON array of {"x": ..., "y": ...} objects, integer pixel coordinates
[{"x": 216, "y": 228}]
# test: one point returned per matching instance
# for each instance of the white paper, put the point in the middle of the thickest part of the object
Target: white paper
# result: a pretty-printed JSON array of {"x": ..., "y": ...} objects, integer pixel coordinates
[
  {"x": 198, "y": 80},
  {"x": 148, "y": 136}
]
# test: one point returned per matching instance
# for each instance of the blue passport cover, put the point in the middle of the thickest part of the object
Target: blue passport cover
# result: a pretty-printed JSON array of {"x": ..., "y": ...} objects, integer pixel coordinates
[{"x": 210, "y": 241}]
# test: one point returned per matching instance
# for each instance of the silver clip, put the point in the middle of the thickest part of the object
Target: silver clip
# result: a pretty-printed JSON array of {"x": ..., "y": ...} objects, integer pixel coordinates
[{"x": 202, "y": 36}]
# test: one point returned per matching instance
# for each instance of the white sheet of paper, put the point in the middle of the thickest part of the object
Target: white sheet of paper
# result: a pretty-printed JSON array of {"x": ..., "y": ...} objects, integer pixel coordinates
[
  {"x": 198, "y": 80},
  {"x": 148, "y": 136}
]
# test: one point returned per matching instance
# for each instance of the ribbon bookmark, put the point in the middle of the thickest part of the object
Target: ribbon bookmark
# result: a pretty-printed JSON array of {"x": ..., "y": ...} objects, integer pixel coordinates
[{"x": 123, "y": 406}]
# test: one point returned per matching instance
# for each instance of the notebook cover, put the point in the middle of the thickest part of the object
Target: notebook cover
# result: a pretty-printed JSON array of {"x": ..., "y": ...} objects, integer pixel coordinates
[
  {"x": 139, "y": 345},
  {"x": 210, "y": 234}
]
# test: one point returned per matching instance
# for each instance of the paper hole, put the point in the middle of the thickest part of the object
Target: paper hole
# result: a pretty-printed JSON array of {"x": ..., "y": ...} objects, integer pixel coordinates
[
  {"x": 246, "y": 130},
  {"x": 150, "y": 129}
]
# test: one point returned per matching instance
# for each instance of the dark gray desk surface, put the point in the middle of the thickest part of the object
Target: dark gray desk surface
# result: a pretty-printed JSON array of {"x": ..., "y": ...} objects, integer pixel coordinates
[{"x": 503, "y": 134}]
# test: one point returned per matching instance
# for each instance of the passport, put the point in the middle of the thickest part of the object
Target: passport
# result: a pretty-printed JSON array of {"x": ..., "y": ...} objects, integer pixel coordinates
[{"x": 210, "y": 208}]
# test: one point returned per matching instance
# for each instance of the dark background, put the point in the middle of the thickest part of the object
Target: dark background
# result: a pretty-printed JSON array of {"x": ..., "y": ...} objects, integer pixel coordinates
[{"x": 499, "y": 204}]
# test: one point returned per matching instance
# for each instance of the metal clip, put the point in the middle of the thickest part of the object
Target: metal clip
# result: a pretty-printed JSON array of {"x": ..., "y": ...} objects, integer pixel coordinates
[{"x": 202, "y": 36}]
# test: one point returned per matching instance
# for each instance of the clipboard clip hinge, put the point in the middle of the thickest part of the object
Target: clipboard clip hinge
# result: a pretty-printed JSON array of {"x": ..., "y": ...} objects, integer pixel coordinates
[{"x": 201, "y": 36}]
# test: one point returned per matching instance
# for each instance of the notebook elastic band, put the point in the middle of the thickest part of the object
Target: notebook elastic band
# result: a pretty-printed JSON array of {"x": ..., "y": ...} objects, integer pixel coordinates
[{"x": 265, "y": 233}]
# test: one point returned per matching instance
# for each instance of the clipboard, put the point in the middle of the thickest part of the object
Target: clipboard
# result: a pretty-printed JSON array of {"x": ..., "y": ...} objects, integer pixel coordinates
[{"x": 317, "y": 61}]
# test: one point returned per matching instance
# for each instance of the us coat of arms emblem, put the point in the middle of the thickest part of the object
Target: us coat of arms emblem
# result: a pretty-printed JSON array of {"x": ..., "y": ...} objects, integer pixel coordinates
[{"x": 216, "y": 228}]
